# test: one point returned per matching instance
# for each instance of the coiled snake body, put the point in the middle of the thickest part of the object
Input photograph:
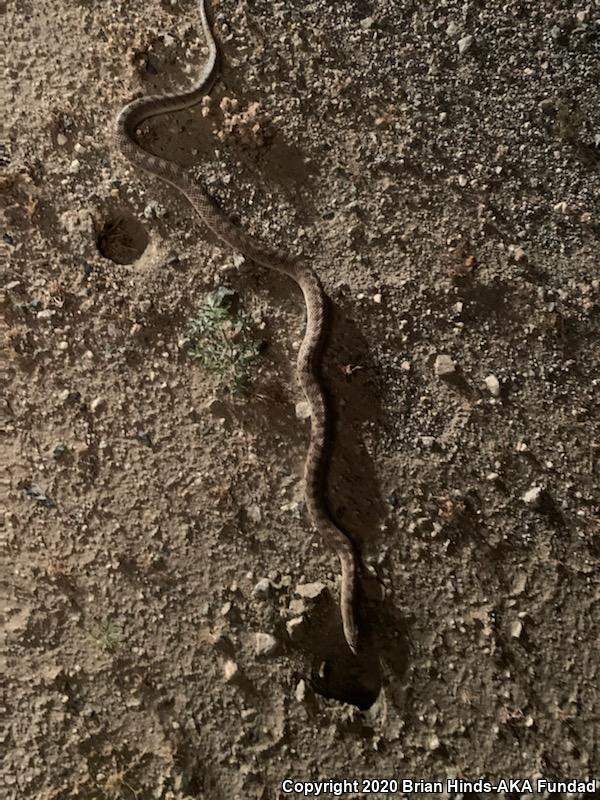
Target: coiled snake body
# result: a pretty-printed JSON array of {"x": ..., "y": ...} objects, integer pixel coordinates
[{"x": 128, "y": 121}]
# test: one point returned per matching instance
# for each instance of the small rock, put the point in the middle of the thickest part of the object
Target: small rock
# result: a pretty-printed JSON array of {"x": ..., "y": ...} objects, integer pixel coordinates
[
  {"x": 47, "y": 313},
  {"x": 433, "y": 743},
  {"x": 264, "y": 644},
  {"x": 96, "y": 404},
  {"x": 310, "y": 591},
  {"x": 59, "y": 450},
  {"x": 231, "y": 671},
  {"x": 405, "y": 365},
  {"x": 39, "y": 495},
  {"x": 61, "y": 139},
  {"x": 366, "y": 23},
  {"x": 516, "y": 629},
  {"x": 493, "y": 385},
  {"x": 262, "y": 588},
  {"x": 74, "y": 166},
  {"x": 154, "y": 209},
  {"x": 297, "y": 606},
  {"x": 452, "y": 29},
  {"x": 295, "y": 628},
  {"x": 144, "y": 438},
  {"x": 561, "y": 208},
  {"x": 519, "y": 584},
  {"x": 533, "y": 496},
  {"x": 377, "y": 298},
  {"x": 519, "y": 255},
  {"x": 444, "y": 366},
  {"x": 254, "y": 514},
  {"x": 462, "y": 180},
  {"x": 302, "y": 409},
  {"x": 300, "y": 691},
  {"x": 465, "y": 43},
  {"x": 226, "y": 609}
]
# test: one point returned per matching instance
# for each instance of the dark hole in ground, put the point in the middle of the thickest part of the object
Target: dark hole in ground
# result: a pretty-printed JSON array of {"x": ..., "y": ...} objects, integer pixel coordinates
[{"x": 122, "y": 238}]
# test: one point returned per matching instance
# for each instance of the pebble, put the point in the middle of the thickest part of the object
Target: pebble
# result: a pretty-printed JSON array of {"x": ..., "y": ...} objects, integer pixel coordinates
[
  {"x": 144, "y": 438},
  {"x": 433, "y": 742},
  {"x": 533, "y": 496},
  {"x": 74, "y": 166},
  {"x": 47, "y": 313},
  {"x": 516, "y": 629},
  {"x": 561, "y": 208},
  {"x": 302, "y": 409},
  {"x": 519, "y": 255},
  {"x": 262, "y": 588},
  {"x": 444, "y": 366},
  {"x": 61, "y": 140},
  {"x": 231, "y": 671},
  {"x": 310, "y": 591},
  {"x": 377, "y": 298},
  {"x": 297, "y": 606},
  {"x": 96, "y": 404},
  {"x": 366, "y": 23},
  {"x": 300, "y": 691},
  {"x": 452, "y": 29},
  {"x": 264, "y": 644},
  {"x": 59, "y": 450},
  {"x": 295, "y": 628},
  {"x": 465, "y": 43},
  {"x": 519, "y": 584},
  {"x": 254, "y": 513},
  {"x": 462, "y": 180},
  {"x": 493, "y": 385},
  {"x": 154, "y": 209}
]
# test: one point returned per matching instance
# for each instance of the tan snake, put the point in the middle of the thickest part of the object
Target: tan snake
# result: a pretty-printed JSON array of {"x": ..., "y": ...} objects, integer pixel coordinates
[{"x": 128, "y": 121}]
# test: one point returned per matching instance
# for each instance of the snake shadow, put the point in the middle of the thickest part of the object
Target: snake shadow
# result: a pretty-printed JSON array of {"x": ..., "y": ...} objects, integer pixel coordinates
[{"x": 357, "y": 507}]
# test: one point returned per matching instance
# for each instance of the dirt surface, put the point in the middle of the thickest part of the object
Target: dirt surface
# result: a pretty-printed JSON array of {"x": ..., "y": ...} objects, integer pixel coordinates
[{"x": 171, "y": 621}]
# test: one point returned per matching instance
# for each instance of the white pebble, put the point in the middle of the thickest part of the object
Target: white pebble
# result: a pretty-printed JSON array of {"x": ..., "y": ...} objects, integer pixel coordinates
[
  {"x": 465, "y": 43},
  {"x": 533, "y": 496},
  {"x": 96, "y": 404},
  {"x": 264, "y": 644},
  {"x": 493, "y": 385},
  {"x": 302, "y": 409},
  {"x": 444, "y": 366}
]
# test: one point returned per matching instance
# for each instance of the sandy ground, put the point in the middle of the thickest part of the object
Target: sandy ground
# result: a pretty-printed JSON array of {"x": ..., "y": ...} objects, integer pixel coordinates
[{"x": 170, "y": 618}]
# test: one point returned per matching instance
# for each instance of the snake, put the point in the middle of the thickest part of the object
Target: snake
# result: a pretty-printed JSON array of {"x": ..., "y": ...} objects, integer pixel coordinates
[{"x": 128, "y": 122}]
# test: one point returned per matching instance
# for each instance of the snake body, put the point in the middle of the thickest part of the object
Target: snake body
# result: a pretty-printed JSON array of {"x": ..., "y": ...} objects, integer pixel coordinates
[{"x": 308, "y": 364}]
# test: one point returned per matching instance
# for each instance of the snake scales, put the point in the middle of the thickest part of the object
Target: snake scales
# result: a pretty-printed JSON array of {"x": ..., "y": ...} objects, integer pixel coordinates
[{"x": 128, "y": 121}]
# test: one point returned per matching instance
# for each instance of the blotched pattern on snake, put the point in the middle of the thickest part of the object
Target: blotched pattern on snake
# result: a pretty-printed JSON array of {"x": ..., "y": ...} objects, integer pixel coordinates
[{"x": 128, "y": 121}]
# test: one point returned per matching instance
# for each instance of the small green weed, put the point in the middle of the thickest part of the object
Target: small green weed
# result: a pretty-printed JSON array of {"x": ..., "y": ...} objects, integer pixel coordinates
[
  {"x": 222, "y": 340},
  {"x": 108, "y": 635}
]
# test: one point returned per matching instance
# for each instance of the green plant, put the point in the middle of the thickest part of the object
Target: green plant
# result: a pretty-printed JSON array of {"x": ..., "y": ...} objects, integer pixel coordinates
[
  {"x": 108, "y": 635},
  {"x": 222, "y": 340}
]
